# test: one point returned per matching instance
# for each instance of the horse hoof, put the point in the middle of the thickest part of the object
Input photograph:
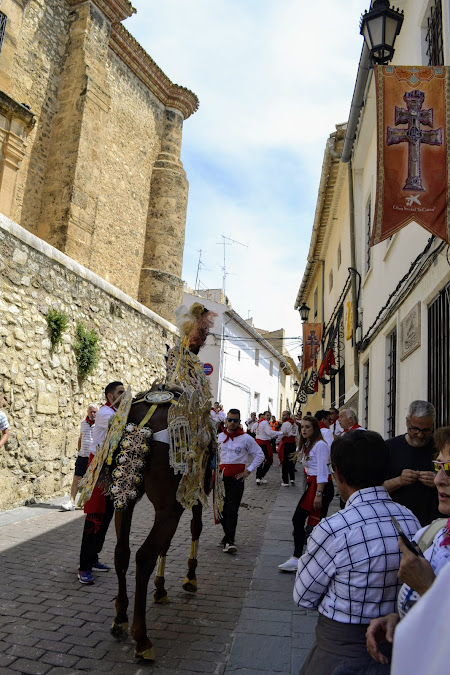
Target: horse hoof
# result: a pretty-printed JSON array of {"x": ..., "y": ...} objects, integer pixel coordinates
[
  {"x": 119, "y": 630},
  {"x": 163, "y": 600},
  {"x": 190, "y": 585},
  {"x": 147, "y": 654}
]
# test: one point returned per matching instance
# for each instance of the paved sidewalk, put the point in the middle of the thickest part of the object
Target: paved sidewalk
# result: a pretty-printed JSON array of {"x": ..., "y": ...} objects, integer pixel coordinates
[{"x": 241, "y": 619}]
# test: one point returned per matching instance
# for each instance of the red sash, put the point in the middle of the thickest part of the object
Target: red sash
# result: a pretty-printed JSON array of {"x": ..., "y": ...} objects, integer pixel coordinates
[
  {"x": 231, "y": 470},
  {"x": 307, "y": 501},
  {"x": 280, "y": 449},
  {"x": 267, "y": 445}
]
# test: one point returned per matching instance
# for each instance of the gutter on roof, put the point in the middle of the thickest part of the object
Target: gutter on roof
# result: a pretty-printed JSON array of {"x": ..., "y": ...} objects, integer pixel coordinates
[
  {"x": 364, "y": 70},
  {"x": 327, "y": 159},
  {"x": 234, "y": 315}
]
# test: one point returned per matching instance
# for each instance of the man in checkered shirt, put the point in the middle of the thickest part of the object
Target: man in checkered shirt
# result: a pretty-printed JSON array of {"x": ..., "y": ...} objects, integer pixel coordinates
[{"x": 349, "y": 571}]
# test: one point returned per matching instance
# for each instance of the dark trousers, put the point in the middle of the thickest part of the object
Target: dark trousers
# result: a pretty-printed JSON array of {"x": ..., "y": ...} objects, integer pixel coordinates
[
  {"x": 288, "y": 466},
  {"x": 94, "y": 534},
  {"x": 268, "y": 461},
  {"x": 234, "y": 489},
  {"x": 300, "y": 516}
]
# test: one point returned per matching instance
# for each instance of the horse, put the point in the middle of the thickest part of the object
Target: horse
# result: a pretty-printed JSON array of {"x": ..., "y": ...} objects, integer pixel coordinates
[{"x": 160, "y": 483}]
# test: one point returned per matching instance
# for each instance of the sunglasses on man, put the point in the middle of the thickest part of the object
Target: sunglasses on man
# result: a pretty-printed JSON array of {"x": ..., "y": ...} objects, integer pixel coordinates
[{"x": 232, "y": 419}]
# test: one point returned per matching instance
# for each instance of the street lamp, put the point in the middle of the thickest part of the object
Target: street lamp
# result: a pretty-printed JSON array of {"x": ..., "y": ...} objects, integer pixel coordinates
[
  {"x": 380, "y": 26},
  {"x": 304, "y": 312},
  {"x": 295, "y": 386}
]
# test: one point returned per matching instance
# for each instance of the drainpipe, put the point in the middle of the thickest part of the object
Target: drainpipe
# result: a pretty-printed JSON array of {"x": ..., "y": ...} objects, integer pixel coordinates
[{"x": 364, "y": 70}]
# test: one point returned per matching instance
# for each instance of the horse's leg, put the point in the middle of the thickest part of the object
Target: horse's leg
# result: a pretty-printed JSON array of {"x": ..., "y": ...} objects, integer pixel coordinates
[
  {"x": 190, "y": 582},
  {"x": 119, "y": 627},
  {"x": 160, "y": 596},
  {"x": 159, "y": 539}
]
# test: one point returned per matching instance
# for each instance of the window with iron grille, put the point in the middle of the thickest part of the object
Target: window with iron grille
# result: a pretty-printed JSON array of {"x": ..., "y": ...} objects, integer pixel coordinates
[
  {"x": 439, "y": 356},
  {"x": 366, "y": 394},
  {"x": 2, "y": 28},
  {"x": 391, "y": 383},
  {"x": 368, "y": 234},
  {"x": 333, "y": 392},
  {"x": 433, "y": 37}
]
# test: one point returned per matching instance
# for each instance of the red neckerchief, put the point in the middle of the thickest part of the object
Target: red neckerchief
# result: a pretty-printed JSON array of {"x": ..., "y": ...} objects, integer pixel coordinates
[
  {"x": 322, "y": 425},
  {"x": 290, "y": 420},
  {"x": 233, "y": 434},
  {"x": 446, "y": 539},
  {"x": 111, "y": 406},
  {"x": 90, "y": 422},
  {"x": 355, "y": 426}
]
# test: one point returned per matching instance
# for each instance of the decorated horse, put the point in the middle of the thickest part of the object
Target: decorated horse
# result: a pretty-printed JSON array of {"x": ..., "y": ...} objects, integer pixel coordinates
[{"x": 162, "y": 443}]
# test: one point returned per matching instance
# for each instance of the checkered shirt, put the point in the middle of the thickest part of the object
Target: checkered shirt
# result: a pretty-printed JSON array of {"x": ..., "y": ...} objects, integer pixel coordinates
[
  {"x": 349, "y": 570},
  {"x": 3, "y": 421}
]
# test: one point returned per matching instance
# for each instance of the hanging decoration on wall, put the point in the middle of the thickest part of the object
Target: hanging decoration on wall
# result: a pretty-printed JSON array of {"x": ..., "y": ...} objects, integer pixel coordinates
[
  {"x": 312, "y": 340},
  {"x": 413, "y": 113}
]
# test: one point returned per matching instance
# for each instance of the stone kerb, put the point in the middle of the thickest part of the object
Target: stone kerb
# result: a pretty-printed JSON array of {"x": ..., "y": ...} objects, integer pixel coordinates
[{"x": 46, "y": 399}]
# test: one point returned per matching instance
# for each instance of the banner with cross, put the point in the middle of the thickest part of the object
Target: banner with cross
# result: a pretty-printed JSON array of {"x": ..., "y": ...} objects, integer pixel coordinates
[
  {"x": 412, "y": 164},
  {"x": 312, "y": 340}
]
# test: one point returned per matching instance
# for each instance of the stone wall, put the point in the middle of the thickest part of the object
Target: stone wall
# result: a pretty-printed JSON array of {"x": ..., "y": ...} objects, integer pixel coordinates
[
  {"x": 46, "y": 399},
  {"x": 96, "y": 172}
]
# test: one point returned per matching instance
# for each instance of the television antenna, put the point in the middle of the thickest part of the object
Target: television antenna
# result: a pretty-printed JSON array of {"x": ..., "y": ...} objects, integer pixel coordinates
[{"x": 227, "y": 241}]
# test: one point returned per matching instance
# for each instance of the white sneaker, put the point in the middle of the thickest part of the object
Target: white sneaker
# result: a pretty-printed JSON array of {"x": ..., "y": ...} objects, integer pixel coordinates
[
  {"x": 68, "y": 506},
  {"x": 292, "y": 482},
  {"x": 263, "y": 480},
  {"x": 285, "y": 484},
  {"x": 290, "y": 565},
  {"x": 230, "y": 548},
  {"x": 258, "y": 481}
]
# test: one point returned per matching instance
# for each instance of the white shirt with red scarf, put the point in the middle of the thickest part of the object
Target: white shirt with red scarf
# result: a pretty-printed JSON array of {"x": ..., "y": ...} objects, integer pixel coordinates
[
  {"x": 240, "y": 449},
  {"x": 264, "y": 432}
]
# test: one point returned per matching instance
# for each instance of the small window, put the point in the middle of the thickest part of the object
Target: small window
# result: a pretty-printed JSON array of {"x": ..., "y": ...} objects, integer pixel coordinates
[
  {"x": 239, "y": 354},
  {"x": 3, "y": 19},
  {"x": 330, "y": 280},
  {"x": 257, "y": 357},
  {"x": 339, "y": 256},
  {"x": 270, "y": 367}
]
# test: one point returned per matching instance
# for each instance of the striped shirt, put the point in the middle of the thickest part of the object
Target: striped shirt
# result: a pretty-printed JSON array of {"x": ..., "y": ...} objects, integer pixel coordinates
[
  {"x": 86, "y": 431},
  {"x": 3, "y": 421},
  {"x": 349, "y": 571}
]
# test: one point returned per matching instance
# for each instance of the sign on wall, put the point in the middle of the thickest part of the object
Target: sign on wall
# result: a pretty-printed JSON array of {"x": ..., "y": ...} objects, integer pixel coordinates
[
  {"x": 412, "y": 165},
  {"x": 207, "y": 368},
  {"x": 410, "y": 332}
]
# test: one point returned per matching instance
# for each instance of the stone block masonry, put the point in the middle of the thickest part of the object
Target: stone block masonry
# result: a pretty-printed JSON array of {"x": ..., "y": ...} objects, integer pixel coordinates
[
  {"x": 46, "y": 399},
  {"x": 90, "y": 142}
]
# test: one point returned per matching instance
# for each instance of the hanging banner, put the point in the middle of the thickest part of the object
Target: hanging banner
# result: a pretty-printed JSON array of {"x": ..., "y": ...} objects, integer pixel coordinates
[
  {"x": 412, "y": 163},
  {"x": 312, "y": 339}
]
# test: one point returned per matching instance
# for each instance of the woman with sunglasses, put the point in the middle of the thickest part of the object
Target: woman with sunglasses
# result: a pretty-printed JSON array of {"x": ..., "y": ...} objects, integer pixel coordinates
[
  {"x": 314, "y": 502},
  {"x": 418, "y": 573}
]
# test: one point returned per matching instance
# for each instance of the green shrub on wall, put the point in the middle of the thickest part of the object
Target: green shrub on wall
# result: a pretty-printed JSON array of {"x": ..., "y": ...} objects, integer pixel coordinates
[
  {"x": 57, "y": 323},
  {"x": 86, "y": 350}
]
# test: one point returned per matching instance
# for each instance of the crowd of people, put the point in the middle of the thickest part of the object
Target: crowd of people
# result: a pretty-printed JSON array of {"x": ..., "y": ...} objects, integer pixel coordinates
[
  {"x": 350, "y": 566},
  {"x": 356, "y": 571}
]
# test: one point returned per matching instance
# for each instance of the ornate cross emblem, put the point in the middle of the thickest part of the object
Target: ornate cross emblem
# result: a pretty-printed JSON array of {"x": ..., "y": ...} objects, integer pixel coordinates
[
  {"x": 313, "y": 341},
  {"x": 414, "y": 116}
]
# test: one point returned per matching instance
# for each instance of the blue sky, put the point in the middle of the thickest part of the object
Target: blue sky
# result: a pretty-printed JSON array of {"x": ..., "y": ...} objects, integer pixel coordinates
[{"x": 273, "y": 78}]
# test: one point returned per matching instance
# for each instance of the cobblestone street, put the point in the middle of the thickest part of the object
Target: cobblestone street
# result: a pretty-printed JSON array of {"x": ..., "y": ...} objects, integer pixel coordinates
[{"x": 241, "y": 619}]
